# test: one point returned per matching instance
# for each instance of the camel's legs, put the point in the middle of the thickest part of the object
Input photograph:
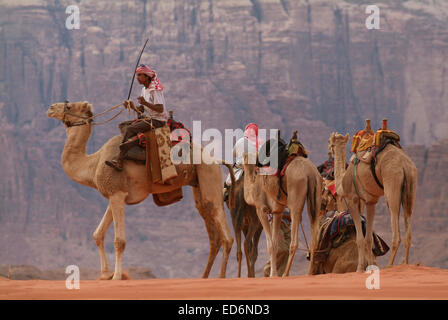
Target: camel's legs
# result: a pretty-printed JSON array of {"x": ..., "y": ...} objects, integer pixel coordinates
[
  {"x": 225, "y": 234},
  {"x": 262, "y": 216},
  {"x": 408, "y": 235},
  {"x": 392, "y": 194},
  {"x": 214, "y": 216},
  {"x": 360, "y": 241},
  {"x": 295, "y": 210},
  {"x": 117, "y": 205},
  {"x": 239, "y": 254},
  {"x": 99, "y": 236},
  {"x": 237, "y": 217},
  {"x": 213, "y": 236},
  {"x": 251, "y": 245},
  {"x": 277, "y": 218},
  {"x": 214, "y": 244},
  {"x": 369, "y": 233},
  {"x": 247, "y": 253}
]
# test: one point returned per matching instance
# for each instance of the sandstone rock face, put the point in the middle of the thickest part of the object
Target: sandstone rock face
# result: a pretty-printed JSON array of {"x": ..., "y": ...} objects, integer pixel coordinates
[{"x": 310, "y": 66}]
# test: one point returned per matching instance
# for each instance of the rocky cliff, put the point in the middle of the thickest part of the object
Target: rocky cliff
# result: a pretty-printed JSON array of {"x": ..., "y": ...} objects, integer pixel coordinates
[{"x": 306, "y": 65}]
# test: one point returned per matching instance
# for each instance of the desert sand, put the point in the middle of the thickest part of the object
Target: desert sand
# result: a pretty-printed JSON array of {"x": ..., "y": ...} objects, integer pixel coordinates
[{"x": 398, "y": 282}]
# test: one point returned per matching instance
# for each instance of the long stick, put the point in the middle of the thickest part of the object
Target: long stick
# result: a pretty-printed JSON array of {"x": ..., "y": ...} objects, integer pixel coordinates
[{"x": 136, "y": 65}]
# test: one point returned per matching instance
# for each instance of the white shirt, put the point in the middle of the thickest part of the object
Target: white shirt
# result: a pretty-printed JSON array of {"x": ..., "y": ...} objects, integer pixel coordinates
[
  {"x": 243, "y": 146},
  {"x": 155, "y": 97}
]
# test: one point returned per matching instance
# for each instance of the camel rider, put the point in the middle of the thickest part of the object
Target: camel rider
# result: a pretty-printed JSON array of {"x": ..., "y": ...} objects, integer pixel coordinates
[
  {"x": 250, "y": 143},
  {"x": 152, "y": 101},
  {"x": 326, "y": 169}
]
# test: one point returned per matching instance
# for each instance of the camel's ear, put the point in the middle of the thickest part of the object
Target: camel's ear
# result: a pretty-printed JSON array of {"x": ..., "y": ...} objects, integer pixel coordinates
[
  {"x": 347, "y": 137},
  {"x": 331, "y": 140}
]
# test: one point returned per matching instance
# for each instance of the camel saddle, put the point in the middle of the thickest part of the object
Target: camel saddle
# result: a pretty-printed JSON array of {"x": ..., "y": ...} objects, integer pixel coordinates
[
  {"x": 286, "y": 153},
  {"x": 153, "y": 150},
  {"x": 337, "y": 228},
  {"x": 367, "y": 146}
]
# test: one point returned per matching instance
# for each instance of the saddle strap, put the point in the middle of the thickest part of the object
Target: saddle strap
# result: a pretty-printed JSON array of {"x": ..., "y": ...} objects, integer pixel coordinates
[
  {"x": 280, "y": 189},
  {"x": 355, "y": 162},
  {"x": 372, "y": 168}
]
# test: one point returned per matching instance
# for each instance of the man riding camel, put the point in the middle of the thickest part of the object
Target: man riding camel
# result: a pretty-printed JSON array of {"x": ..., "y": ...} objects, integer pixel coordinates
[
  {"x": 152, "y": 101},
  {"x": 249, "y": 143}
]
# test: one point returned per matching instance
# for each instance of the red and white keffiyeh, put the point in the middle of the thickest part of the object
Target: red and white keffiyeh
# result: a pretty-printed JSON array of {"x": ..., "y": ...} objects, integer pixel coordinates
[
  {"x": 155, "y": 83},
  {"x": 251, "y": 134}
]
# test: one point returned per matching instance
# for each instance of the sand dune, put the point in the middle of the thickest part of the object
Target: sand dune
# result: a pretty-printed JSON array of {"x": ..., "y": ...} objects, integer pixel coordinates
[{"x": 399, "y": 282}]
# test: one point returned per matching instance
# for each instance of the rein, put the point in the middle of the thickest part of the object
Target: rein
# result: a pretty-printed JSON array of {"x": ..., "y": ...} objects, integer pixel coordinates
[{"x": 87, "y": 120}]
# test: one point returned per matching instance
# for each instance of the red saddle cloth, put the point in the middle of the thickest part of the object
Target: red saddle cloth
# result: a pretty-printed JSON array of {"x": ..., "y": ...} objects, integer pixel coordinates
[
  {"x": 180, "y": 135},
  {"x": 176, "y": 136}
]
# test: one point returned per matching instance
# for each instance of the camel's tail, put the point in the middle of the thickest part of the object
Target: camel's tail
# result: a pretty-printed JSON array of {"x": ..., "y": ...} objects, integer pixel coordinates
[
  {"x": 313, "y": 195},
  {"x": 232, "y": 187},
  {"x": 408, "y": 191}
]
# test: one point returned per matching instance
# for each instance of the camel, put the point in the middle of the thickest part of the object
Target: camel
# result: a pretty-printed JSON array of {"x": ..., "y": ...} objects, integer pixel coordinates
[
  {"x": 344, "y": 258},
  {"x": 131, "y": 186},
  {"x": 303, "y": 183},
  {"x": 397, "y": 173},
  {"x": 245, "y": 220}
]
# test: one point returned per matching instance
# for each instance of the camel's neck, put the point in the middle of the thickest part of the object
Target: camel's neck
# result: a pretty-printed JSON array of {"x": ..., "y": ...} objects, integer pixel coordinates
[
  {"x": 76, "y": 163},
  {"x": 249, "y": 182},
  {"x": 339, "y": 163}
]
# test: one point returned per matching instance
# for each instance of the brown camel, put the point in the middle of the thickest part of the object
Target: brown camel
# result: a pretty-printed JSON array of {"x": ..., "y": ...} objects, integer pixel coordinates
[
  {"x": 131, "y": 186},
  {"x": 397, "y": 173},
  {"x": 344, "y": 258},
  {"x": 245, "y": 220},
  {"x": 303, "y": 183}
]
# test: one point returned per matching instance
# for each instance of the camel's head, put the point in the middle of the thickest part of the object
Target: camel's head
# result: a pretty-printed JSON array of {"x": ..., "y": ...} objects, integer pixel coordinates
[
  {"x": 70, "y": 111},
  {"x": 337, "y": 139}
]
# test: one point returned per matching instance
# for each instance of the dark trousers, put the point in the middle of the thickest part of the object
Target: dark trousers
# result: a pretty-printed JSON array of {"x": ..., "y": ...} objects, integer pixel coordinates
[{"x": 142, "y": 125}]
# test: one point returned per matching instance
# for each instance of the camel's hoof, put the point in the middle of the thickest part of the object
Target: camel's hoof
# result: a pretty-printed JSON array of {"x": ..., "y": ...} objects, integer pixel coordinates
[
  {"x": 105, "y": 276},
  {"x": 124, "y": 276}
]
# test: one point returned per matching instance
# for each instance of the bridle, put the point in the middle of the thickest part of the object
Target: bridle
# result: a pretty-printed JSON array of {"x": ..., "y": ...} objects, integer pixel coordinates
[
  {"x": 68, "y": 123},
  {"x": 85, "y": 120}
]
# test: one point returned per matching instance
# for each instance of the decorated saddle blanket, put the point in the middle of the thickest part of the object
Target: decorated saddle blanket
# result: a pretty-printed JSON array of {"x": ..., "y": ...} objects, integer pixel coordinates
[
  {"x": 154, "y": 150},
  {"x": 364, "y": 140},
  {"x": 330, "y": 184},
  {"x": 178, "y": 132},
  {"x": 337, "y": 228}
]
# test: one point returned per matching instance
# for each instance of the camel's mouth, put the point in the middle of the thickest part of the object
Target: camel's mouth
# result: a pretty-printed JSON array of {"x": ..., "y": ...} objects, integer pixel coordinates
[{"x": 53, "y": 112}]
